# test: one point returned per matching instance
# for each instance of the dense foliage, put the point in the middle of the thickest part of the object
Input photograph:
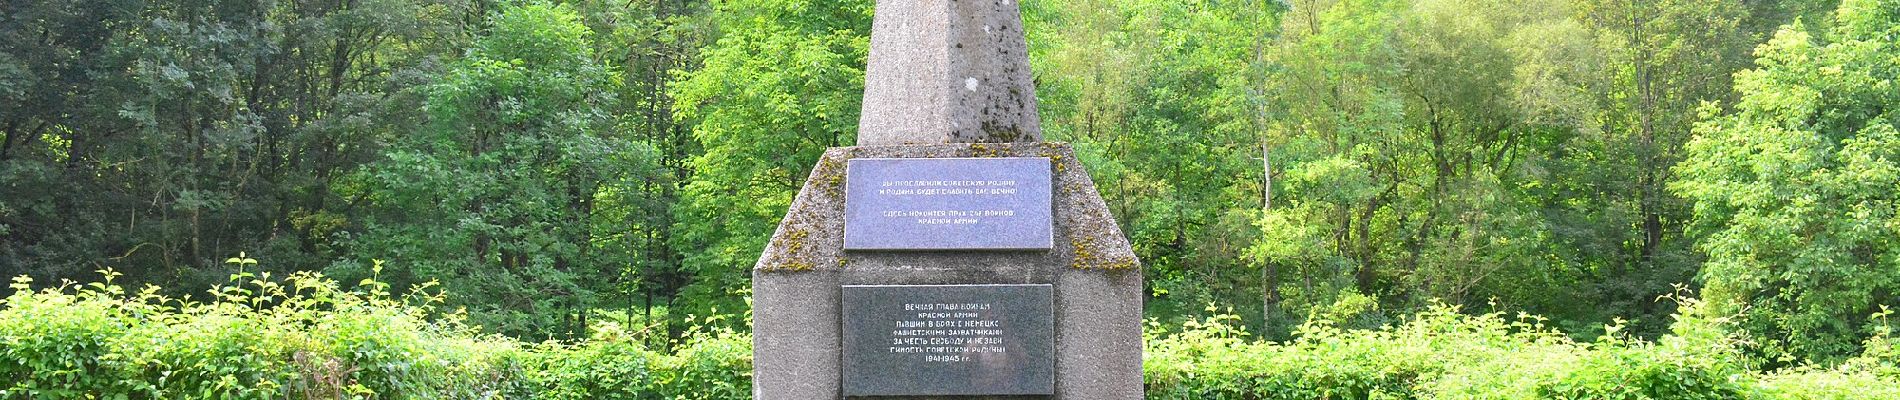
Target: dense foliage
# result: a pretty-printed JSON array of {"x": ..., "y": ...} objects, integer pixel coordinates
[
  {"x": 501, "y": 186},
  {"x": 1799, "y": 187},
  {"x": 303, "y": 337},
  {"x": 1443, "y": 353},
  {"x": 782, "y": 83},
  {"x": 556, "y": 166}
]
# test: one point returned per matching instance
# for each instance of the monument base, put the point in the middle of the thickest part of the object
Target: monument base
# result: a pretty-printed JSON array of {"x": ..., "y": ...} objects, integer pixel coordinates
[{"x": 1096, "y": 278}]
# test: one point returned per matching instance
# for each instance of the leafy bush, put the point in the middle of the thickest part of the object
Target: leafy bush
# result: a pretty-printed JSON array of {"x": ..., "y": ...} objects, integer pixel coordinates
[
  {"x": 608, "y": 368},
  {"x": 54, "y": 346},
  {"x": 706, "y": 366},
  {"x": 1442, "y": 353},
  {"x": 304, "y": 337}
]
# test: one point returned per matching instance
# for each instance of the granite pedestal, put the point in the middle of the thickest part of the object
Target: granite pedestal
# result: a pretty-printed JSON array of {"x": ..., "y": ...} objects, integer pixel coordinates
[
  {"x": 1095, "y": 275},
  {"x": 949, "y": 80}
]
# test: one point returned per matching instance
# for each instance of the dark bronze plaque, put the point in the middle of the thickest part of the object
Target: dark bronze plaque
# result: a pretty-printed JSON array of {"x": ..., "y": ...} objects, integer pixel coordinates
[
  {"x": 948, "y": 204},
  {"x": 949, "y": 340}
]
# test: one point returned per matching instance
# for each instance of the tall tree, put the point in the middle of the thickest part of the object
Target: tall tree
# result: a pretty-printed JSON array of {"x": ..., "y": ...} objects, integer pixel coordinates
[
  {"x": 1659, "y": 61},
  {"x": 1419, "y": 142},
  {"x": 652, "y": 42},
  {"x": 496, "y": 196},
  {"x": 1134, "y": 85},
  {"x": 1797, "y": 188},
  {"x": 57, "y": 114},
  {"x": 782, "y": 82},
  {"x": 161, "y": 137}
]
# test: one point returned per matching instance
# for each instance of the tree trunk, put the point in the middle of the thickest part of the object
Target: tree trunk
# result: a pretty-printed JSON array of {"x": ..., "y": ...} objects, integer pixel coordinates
[
  {"x": 1269, "y": 270},
  {"x": 6, "y": 142},
  {"x": 1646, "y": 140}
]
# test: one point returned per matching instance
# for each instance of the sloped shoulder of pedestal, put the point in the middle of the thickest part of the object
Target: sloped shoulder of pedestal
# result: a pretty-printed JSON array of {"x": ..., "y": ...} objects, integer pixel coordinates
[{"x": 811, "y": 237}]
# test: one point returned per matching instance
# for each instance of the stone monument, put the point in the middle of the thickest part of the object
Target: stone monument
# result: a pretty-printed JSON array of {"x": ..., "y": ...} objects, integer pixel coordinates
[{"x": 951, "y": 254}]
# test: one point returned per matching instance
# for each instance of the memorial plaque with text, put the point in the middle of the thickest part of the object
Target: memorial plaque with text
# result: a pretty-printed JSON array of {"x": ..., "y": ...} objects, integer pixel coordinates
[
  {"x": 949, "y": 340},
  {"x": 948, "y": 204}
]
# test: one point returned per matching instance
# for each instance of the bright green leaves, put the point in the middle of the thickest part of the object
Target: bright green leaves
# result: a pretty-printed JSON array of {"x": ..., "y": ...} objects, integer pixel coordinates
[
  {"x": 1798, "y": 189},
  {"x": 241, "y": 259},
  {"x": 1407, "y": 140},
  {"x": 781, "y": 84},
  {"x": 1136, "y": 85},
  {"x": 1443, "y": 352},
  {"x": 313, "y": 339},
  {"x": 534, "y": 71},
  {"x": 498, "y": 193},
  {"x": 1875, "y": 24},
  {"x": 548, "y": 37}
]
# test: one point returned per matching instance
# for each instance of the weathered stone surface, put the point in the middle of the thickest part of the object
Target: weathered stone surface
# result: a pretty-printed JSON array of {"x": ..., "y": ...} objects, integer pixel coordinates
[
  {"x": 1099, "y": 324},
  {"x": 948, "y": 204},
  {"x": 949, "y": 340},
  {"x": 1097, "y": 278},
  {"x": 948, "y": 71},
  {"x": 795, "y": 338}
]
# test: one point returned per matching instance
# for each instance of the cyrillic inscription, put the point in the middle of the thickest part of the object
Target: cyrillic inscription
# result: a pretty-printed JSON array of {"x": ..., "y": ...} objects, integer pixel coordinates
[
  {"x": 948, "y": 340},
  {"x": 948, "y": 204}
]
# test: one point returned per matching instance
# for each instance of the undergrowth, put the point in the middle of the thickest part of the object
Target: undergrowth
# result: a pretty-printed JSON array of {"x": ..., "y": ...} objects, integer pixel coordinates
[{"x": 304, "y": 336}]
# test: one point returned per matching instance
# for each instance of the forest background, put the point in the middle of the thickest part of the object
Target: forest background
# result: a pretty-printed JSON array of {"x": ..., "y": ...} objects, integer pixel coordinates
[{"x": 554, "y": 165}]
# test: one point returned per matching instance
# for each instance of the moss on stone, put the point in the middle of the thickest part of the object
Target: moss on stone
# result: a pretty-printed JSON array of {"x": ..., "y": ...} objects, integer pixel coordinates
[
  {"x": 1087, "y": 258},
  {"x": 831, "y": 174},
  {"x": 791, "y": 260},
  {"x": 985, "y": 150},
  {"x": 1055, "y": 157}
]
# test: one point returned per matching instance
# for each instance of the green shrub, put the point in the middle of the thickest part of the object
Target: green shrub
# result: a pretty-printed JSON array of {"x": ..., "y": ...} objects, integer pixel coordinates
[
  {"x": 56, "y": 346},
  {"x": 1212, "y": 359},
  {"x": 1828, "y": 384},
  {"x": 302, "y": 337},
  {"x": 1631, "y": 373},
  {"x": 708, "y": 367},
  {"x": 600, "y": 369},
  {"x": 261, "y": 338},
  {"x": 1442, "y": 353},
  {"x": 212, "y": 355}
]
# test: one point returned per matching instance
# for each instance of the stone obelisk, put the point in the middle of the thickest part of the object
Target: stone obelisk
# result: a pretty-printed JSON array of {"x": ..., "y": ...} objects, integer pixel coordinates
[
  {"x": 948, "y": 80},
  {"x": 948, "y": 72}
]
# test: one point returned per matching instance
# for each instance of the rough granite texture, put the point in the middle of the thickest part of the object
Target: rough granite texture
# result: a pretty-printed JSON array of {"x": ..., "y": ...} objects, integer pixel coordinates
[
  {"x": 796, "y": 332},
  {"x": 1097, "y": 278},
  {"x": 948, "y": 71}
]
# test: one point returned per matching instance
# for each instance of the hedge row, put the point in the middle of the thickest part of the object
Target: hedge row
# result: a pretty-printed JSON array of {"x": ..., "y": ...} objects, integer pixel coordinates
[
  {"x": 303, "y": 337},
  {"x": 1442, "y": 353}
]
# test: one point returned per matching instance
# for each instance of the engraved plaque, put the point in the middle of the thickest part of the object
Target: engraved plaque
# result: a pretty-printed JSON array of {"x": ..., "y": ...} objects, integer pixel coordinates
[
  {"x": 949, "y": 340},
  {"x": 948, "y": 204}
]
